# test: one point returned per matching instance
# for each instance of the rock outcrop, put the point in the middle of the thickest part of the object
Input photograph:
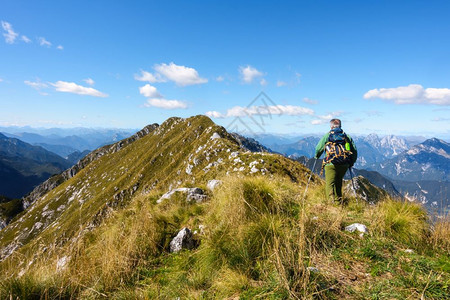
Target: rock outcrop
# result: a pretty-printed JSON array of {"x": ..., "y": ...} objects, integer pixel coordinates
[{"x": 183, "y": 240}]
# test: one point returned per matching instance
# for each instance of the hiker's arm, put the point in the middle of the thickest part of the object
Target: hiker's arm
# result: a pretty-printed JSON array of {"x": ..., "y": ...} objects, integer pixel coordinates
[{"x": 321, "y": 146}]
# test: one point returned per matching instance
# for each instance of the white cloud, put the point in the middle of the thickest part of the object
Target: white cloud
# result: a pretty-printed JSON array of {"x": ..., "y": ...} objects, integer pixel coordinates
[
  {"x": 411, "y": 94},
  {"x": 37, "y": 85},
  {"x": 1, "y": 79},
  {"x": 214, "y": 114},
  {"x": 248, "y": 73},
  {"x": 71, "y": 87},
  {"x": 310, "y": 101},
  {"x": 25, "y": 39},
  {"x": 289, "y": 110},
  {"x": 44, "y": 42},
  {"x": 165, "y": 104},
  {"x": 147, "y": 76},
  {"x": 281, "y": 83},
  {"x": 9, "y": 34},
  {"x": 60, "y": 47},
  {"x": 181, "y": 75},
  {"x": 325, "y": 118},
  {"x": 158, "y": 100},
  {"x": 149, "y": 91},
  {"x": 89, "y": 81},
  {"x": 220, "y": 78},
  {"x": 263, "y": 82}
]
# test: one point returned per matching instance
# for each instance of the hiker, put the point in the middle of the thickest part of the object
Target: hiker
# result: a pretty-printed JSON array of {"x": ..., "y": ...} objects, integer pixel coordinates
[{"x": 340, "y": 155}]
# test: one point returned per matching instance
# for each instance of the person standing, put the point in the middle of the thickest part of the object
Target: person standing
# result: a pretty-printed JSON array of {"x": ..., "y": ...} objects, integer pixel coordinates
[{"x": 340, "y": 154}]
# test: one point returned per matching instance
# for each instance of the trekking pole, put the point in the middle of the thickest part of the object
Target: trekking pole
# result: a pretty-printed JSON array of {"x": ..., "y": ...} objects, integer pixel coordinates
[
  {"x": 353, "y": 184},
  {"x": 312, "y": 170}
]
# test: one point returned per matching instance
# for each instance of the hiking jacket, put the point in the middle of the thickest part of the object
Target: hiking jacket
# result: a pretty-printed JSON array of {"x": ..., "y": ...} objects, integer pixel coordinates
[{"x": 321, "y": 147}]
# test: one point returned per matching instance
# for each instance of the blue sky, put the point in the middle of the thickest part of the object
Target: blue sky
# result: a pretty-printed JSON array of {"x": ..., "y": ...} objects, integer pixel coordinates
[{"x": 380, "y": 66}]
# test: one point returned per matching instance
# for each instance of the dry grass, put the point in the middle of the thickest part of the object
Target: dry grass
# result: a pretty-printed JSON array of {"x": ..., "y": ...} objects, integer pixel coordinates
[
  {"x": 259, "y": 240},
  {"x": 403, "y": 221},
  {"x": 440, "y": 234}
]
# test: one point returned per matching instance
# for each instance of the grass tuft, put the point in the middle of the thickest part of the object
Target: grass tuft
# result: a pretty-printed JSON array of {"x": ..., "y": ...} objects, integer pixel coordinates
[{"x": 403, "y": 221}]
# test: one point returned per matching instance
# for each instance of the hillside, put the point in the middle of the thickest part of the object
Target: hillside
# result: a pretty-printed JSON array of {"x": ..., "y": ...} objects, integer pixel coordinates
[
  {"x": 23, "y": 166},
  {"x": 106, "y": 228}
]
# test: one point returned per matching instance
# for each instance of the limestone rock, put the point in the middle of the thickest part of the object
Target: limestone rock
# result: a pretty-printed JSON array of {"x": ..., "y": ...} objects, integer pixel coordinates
[
  {"x": 357, "y": 227},
  {"x": 192, "y": 194},
  {"x": 183, "y": 240},
  {"x": 212, "y": 184},
  {"x": 215, "y": 136}
]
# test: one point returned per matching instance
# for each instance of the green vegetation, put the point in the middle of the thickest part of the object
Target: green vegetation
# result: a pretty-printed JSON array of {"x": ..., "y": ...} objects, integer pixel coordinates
[
  {"x": 103, "y": 235},
  {"x": 257, "y": 240}
]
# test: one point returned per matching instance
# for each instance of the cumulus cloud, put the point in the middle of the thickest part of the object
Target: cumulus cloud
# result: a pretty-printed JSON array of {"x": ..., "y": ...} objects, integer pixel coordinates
[
  {"x": 214, "y": 114},
  {"x": 155, "y": 99},
  {"x": 310, "y": 101},
  {"x": 281, "y": 83},
  {"x": 71, "y": 87},
  {"x": 248, "y": 73},
  {"x": 60, "y": 47},
  {"x": 325, "y": 118},
  {"x": 149, "y": 91},
  {"x": 263, "y": 110},
  {"x": 89, "y": 81},
  {"x": 165, "y": 104},
  {"x": 411, "y": 94},
  {"x": 25, "y": 39},
  {"x": 9, "y": 33},
  {"x": 149, "y": 77},
  {"x": 220, "y": 78},
  {"x": 181, "y": 75},
  {"x": 44, "y": 42}
]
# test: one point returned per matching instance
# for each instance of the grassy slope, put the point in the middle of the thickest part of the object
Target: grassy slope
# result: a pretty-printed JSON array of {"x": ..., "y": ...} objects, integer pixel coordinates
[{"x": 257, "y": 238}]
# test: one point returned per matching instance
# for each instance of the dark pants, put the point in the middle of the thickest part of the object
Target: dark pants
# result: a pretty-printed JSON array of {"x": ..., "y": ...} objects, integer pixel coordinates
[{"x": 334, "y": 174}]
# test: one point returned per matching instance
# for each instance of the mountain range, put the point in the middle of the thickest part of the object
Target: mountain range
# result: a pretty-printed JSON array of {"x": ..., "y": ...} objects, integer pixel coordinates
[
  {"x": 23, "y": 166},
  {"x": 65, "y": 142},
  {"x": 393, "y": 163}
]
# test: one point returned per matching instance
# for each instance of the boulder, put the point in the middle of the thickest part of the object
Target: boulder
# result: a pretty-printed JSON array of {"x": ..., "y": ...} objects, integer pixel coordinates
[
  {"x": 192, "y": 194},
  {"x": 357, "y": 227},
  {"x": 195, "y": 194},
  {"x": 212, "y": 184},
  {"x": 215, "y": 136},
  {"x": 183, "y": 240}
]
